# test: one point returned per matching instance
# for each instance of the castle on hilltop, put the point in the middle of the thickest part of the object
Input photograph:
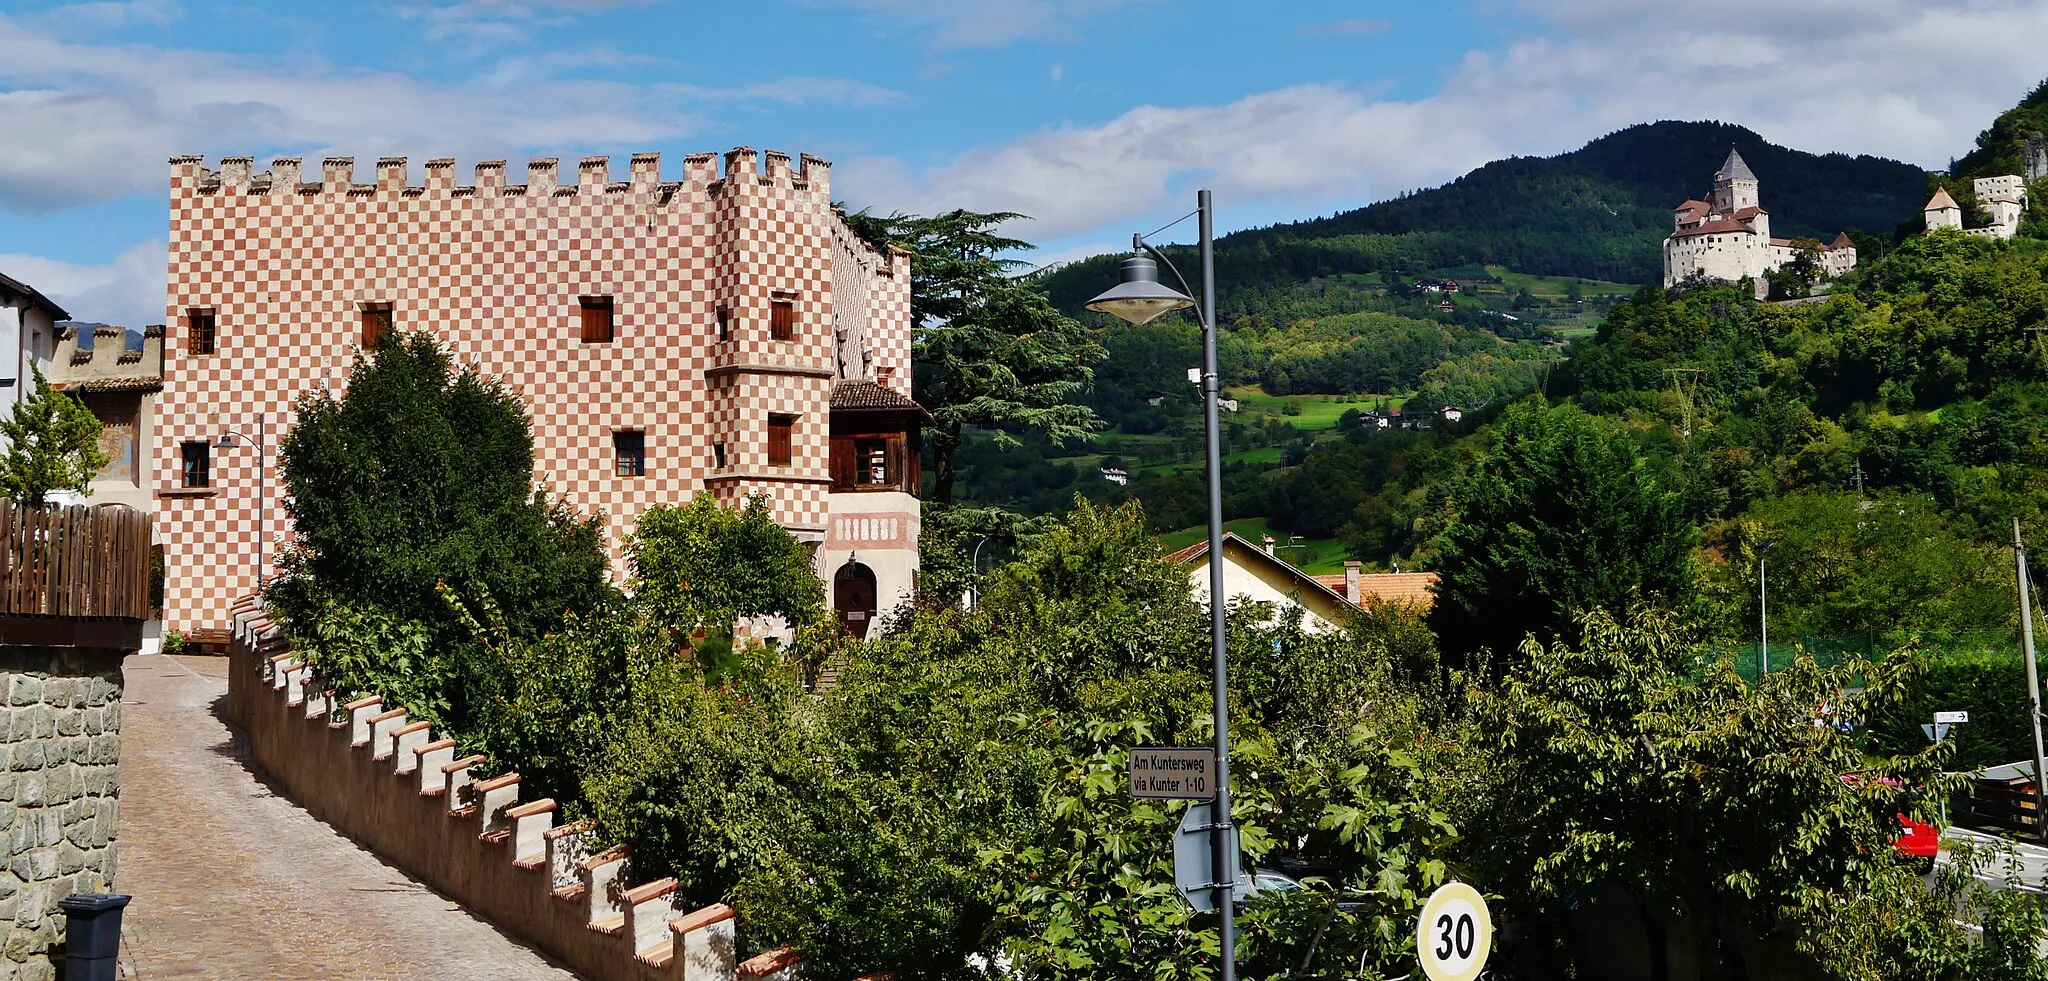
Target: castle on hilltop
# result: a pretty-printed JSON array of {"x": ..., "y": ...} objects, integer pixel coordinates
[
  {"x": 1728, "y": 236},
  {"x": 2003, "y": 198}
]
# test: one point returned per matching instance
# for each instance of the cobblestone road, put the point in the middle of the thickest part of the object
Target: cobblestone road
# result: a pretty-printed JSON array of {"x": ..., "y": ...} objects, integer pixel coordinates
[{"x": 233, "y": 882}]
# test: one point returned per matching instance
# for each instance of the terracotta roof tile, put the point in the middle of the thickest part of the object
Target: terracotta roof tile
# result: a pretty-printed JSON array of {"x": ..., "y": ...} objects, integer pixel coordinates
[
  {"x": 1714, "y": 227},
  {"x": 857, "y": 394},
  {"x": 1396, "y": 587}
]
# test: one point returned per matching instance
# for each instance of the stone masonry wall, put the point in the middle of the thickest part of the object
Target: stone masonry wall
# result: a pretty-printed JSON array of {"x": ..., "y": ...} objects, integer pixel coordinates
[{"x": 60, "y": 788}]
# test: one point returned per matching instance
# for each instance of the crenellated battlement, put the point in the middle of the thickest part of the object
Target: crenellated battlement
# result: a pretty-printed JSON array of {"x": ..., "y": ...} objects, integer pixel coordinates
[{"x": 544, "y": 180}]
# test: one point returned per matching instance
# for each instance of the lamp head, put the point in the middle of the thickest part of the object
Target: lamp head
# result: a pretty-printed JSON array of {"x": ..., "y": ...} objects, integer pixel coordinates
[
  {"x": 1140, "y": 298},
  {"x": 226, "y": 440}
]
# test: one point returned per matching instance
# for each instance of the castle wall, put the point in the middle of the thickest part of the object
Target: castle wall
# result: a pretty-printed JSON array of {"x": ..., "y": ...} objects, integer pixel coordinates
[{"x": 495, "y": 270}]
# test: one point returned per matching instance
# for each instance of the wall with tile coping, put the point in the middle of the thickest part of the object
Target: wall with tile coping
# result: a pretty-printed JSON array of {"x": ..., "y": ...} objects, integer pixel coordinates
[
  {"x": 398, "y": 790},
  {"x": 60, "y": 788}
]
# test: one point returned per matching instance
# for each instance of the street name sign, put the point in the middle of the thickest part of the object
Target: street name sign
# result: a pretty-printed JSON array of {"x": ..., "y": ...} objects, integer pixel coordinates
[
  {"x": 1951, "y": 717},
  {"x": 1173, "y": 773},
  {"x": 1455, "y": 934}
]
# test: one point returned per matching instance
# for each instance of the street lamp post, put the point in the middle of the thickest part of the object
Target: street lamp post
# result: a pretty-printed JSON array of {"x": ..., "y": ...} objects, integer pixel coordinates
[
  {"x": 1140, "y": 299},
  {"x": 227, "y": 439}
]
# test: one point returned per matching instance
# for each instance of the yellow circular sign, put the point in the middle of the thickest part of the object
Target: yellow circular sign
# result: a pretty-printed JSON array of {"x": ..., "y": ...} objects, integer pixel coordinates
[{"x": 1455, "y": 933}]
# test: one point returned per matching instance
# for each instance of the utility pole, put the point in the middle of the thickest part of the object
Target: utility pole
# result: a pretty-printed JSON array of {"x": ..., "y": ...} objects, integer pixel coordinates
[
  {"x": 2019, "y": 561},
  {"x": 1763, "y": 620}
]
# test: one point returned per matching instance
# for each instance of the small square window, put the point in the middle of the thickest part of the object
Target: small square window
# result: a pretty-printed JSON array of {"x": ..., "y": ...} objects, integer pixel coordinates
[
  {"x": 194, "y": 469},
  {"x": 376, "y": 322},
  {"x": 597, "y": 319},
  {"x": 781, "y": 320},
  {"x": 629, "y": 449},
  {"x": 718, "y": 456},
  {"x": 199, "y": 331},
  {"x": 781, "y": 437}
]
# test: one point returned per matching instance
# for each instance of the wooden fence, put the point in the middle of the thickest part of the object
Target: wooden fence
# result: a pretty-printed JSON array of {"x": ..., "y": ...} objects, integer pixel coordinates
[
  {"x": 88, "y": 562},
  {"x": 2008, "y": 804}
]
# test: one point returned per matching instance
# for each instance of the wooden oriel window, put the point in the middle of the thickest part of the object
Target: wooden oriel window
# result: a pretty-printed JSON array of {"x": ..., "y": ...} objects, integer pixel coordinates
[
  {"x": 629, "y": 449},
  {"x": 869, "y": 462},
  {"x": 597, "y": 319},
  {"x": 376, "y": 322},
  {"x": 781, "y": 320},
  {"x": 199, "y": 331},
  {"x": 781, "y": 430},
  {"x": 194, "y": 464}
]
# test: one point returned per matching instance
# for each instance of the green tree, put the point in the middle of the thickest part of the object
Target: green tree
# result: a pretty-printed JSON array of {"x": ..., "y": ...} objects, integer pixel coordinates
[
  {"x": 991, "y": 351},
  {"x": 53, "y": 443},
  {"x": 1718, "y": 810},
  {"x": 1559, "y": 518},
  {"x": 414, "y": 484}
]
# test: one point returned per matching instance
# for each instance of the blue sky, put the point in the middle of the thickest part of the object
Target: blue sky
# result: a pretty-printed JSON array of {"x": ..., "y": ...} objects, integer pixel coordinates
[{"x": 1098, "y": 117}]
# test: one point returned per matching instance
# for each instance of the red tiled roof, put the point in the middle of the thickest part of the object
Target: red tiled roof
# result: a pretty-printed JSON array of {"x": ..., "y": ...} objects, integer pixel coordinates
[
  {"x": 1748, "y": 213},
  {"x": 1783, "y": 243},
  {"x": 1187, "y": 553},
  {"x": 1395, "y": 587},
  {"x": 1694, "y": 206},
  {"x": 1842, "y": 241},
  {"x": 1713, "y": 227}
]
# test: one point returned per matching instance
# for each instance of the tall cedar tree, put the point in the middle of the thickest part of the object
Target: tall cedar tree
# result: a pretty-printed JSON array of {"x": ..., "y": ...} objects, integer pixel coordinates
[
  {"x": 1558, "y": 519},
  {"x": 53, "y": 443},
  {"x": 991, "y": 351},
  {"x": 421, "y": 474}
]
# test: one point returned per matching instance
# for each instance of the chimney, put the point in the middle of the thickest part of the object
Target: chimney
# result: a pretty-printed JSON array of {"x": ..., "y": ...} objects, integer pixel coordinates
[
  {"x": 884, "y": 375},
  {"x": 1352, "y": 586}
]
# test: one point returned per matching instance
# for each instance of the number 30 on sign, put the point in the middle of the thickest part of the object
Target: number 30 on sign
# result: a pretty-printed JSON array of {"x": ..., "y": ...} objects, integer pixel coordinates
[{"x": 1455, "y": 933}]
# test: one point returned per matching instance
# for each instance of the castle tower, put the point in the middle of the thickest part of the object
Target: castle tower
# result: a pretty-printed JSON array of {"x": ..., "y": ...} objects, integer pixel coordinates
[
  {"x": 1734, "y": 186},
  {"x": 1942, "y": 211}
]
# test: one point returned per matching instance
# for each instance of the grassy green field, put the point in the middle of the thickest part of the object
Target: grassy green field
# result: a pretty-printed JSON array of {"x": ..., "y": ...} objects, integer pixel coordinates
[
  {"x": 1555, "y": 287},
  {"x": 1318, "y": 412},
  {"x": 1316, "y": 556}
]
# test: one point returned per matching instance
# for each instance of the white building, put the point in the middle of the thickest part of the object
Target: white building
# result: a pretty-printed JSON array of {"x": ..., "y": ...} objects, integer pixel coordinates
[
  {"x": 1728, "y": 236},
  {"x": 28, "y": 339},
  {"x": 2003, "y": 198}
]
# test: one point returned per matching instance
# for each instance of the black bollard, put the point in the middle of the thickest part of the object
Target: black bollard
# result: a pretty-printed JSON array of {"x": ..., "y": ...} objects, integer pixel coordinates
[{"x": 92, "y": 936}]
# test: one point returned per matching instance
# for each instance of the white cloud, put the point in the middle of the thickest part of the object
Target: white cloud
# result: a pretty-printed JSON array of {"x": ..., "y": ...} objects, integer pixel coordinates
[
  {"x": 1912, "y": 80},
  {"x": 129, "y": 292},
  {"x": 989, "y": 23},
  {"x": 90, "y": 122}
]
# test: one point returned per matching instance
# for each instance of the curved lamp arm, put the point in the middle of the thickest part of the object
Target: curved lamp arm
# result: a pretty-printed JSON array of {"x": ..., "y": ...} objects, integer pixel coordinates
[{"x": 1168, "y": 263}]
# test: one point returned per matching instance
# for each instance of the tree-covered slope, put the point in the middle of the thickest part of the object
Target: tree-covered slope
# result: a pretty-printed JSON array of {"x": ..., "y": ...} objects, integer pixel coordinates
[{"x": 1599, "y": 212}]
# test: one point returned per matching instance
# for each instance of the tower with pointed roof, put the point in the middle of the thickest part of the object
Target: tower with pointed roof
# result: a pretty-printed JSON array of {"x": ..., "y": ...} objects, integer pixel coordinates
[
  {"x": 1734, "y": 185},
  {"x": 2002, "y": 199}
]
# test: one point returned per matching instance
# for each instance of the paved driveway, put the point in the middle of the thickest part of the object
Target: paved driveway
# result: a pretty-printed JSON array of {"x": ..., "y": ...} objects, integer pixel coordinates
[{"x": 234, "y": 882}]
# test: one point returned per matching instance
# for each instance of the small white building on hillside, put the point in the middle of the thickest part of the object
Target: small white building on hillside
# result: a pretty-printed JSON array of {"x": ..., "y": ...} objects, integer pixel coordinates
[{"x": 2004, "y": 199}]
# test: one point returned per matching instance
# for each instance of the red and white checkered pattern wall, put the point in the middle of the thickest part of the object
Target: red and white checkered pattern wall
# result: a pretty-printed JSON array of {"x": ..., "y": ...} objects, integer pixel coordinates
[{"x": 495, "y": 271}]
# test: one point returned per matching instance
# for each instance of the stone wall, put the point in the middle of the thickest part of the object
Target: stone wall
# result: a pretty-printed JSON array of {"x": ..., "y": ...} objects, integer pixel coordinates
[
  {"x": 60, "y": 788},
  {"x": 404, "y": 792}
]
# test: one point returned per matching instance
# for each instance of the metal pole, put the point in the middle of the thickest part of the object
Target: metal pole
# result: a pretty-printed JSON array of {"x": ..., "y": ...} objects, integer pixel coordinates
[
  {"x": 1763, "y": 620},
  {"x": 1226, "y": 859},
  {"x": 2019, "y": 562},
  {"x": 261, "y": 439}
]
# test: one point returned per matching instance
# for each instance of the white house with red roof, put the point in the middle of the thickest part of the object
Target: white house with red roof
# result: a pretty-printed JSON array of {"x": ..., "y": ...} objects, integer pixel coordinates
[{"x": 1728, "y": 235}]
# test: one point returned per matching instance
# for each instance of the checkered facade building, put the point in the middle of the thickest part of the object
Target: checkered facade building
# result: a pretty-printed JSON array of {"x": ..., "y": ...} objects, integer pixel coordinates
[{"x": 498, "y": 272}]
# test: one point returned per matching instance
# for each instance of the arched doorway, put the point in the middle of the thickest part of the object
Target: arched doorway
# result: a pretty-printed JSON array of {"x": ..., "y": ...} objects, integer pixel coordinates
[{"x": 853, "y": 598}]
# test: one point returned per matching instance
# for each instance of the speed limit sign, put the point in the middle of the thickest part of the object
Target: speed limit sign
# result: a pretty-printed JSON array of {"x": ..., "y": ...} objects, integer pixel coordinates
[{"x": 1455, "y": 933}]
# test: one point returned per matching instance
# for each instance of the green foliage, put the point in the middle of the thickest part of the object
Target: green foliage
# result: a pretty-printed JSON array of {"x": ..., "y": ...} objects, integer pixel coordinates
[
  {"x": 1840, "y": 563},
  {"x": 1718, "y": 808},
  {"x": 990, "y": 351},
  {"x": 415, "y": 483},
  {"x": 53, "y": 444},
  {"x": 1946, "y": 674},
  {"x": 1560, "y": 518},
  {"x": 705, "y": 565}
]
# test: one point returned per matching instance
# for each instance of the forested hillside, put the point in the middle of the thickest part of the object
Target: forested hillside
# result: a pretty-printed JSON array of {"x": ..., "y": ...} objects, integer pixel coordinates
[{"x": 1599, "y": 212}]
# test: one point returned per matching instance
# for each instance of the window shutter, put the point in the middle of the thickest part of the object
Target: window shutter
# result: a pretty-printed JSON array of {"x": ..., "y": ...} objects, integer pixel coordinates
[
  {"x": 781, "y": 320},
  {"x": 779, "y": 440},
  {"x": 597, "y": 319},
  {"x": 844, "y": 463}
]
